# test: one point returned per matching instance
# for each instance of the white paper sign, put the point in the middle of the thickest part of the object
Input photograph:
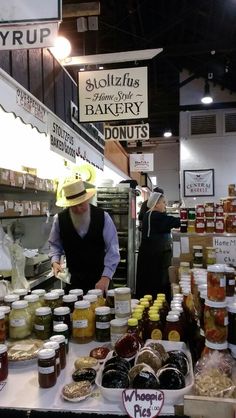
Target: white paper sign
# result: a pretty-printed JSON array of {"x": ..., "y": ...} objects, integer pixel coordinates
[
  {"x": 143, "y": 403},
  {"x": 15, "y": 11},
  {"x": 184, "y": 245},
  {"x": 62, "y": 138},
  {"x": 198, "y": 182},
  {"x": 225, "y": 250},
  {"x": 113, "y": 94},
  {"x": 176, "y": 249},
  {"x": 141, "y": 162}
]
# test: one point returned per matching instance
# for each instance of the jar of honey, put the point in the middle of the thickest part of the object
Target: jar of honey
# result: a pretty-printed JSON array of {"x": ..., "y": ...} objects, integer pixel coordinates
[
  {"x": 173, "y": 330},
  {"x": 230, "y": 223},
  {"x": 219, "y": 225},
  {"x": 219, "y": 210},
  {"x": 200, "y": 225},
  {"x": 232, "y": 189},
  {"x": 216, "y": 282},
  {"x": 209, "y": 209},
  {"x": 199, "y": 211},
  {"x": 210, "y": 225}
]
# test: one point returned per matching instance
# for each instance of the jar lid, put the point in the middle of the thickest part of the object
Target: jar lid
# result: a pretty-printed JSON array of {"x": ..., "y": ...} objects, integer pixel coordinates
[
  {"x": 210, "y": 249},
  {"x": 3, "y": 348},
  {"x": 172, "y": 317},
  {"x": 31, "y": 298},
  {"x": 46, "y": 353},
  {"x": 60, "y": 292},
  {"x": 133, "y": 322},
  {"x": 145, "y": 303},
  {"x": 51, "y": 344},
  {"x": 11, "y": 298},
  {"x": 111, "y": 292},
  {"x": 154, "y": 317},
  {"x": 215, "y": 304},
  {"x": 229, "y": 269},
  {"x": 5, "y": 309},
  {"x": 184, "y": 264},
  {"x": 118, "y": 322},
  {"x": 44, "y": 310},
  {"x": 58, "y": 338},
  {"x": 39, "y": 292},
  {"x": 20, "y": 292},
  {"x": 137, "y": 314},
  {"x": 70, "y": 298},
  {"x": 97, "y": 292},
  {"x": 90, "y": 298},
  {"x": 161, "y": 295},
  {"x": 61, "y": 310},
  {"x": 174, "y": 312},
  {"x": 2, "y": 315},
  {"x": 122, "y": 290},
  {"x": 216, "y": 268},
  {"x": 196, "y": 265},
  {"x": 19, "y": 304},
  {"x": 148, "y": 297},
  {"x": 102, "y": 310},
  {"x": 51, "y": 296},
  {"x": 78, "y": 292},
  {"x": 216, "y": 346},
  {"x": 82, "y": 304},
  {"x": 60, "y": 327},
  {"x": 197, "y": 247}
]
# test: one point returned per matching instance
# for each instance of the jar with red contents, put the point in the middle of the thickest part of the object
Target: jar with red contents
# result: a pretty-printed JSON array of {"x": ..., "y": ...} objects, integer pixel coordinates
[
  {"x": 199, "y": 211},
  {"x": 184, "y": 213},
  {"x": 219, "y": 210},
  {"x": 209, "y": 209},
  {"x": 219, "y": 225},
  {"x": 3, "y": 362},
  {"x": 230, "y": 223},
  {"x": 216, "y": 282},
  {"x": 215, "y": 321},
  {"x": 230, "y": 281},
  {"x": 200, "y": 225},
  {"x": 210, "y": 225}
]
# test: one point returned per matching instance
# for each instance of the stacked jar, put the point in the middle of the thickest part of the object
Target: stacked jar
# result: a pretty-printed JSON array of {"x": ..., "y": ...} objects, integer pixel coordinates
[
  {"x": 183, "y": 219},
  {"x": 200, "y": 219},
  {"x": 191, "y": 220},
  {"x": 219, "y": 221}
]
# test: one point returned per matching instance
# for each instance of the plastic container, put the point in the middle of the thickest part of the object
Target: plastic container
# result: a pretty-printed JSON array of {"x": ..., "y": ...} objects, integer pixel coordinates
[
  {"x": 215, "y": 321},
  {"x": 173, "y": 330}
]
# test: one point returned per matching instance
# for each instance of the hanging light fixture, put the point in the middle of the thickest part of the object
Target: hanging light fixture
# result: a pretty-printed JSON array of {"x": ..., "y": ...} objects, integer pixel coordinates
[{"x": 207, "y": 98}]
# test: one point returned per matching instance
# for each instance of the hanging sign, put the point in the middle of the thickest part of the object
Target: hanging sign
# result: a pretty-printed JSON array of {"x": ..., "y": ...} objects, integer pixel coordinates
[
  {"x": 198, "y": 183},
  {"x": 62, "y": 138},
  {"x": 225, "y": 250},
  {"x": 141, "y": 162},
  {"x": 113, "y": 94},
  {"x": 29, "y": 11},
  {"x": 143, "y": 403},
  {"x": 126, "y": 132}
]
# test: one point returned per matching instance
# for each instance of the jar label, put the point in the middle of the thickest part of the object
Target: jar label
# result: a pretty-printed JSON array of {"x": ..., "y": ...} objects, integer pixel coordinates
[
  {"x": 82, "y": 323},
  {"x": 156, "y": 334},
  {"x": 200, "y": 225},
  {"x": 226, "y": 321},
  {"x": 173, "y": 336},
  {"x": 21, "y": 322},
  {"x": 222, "y": 282},
  {"x": 231, "y": 282},
  {"x": 58, "y": 322},
  {"x": 46, "y": 370},
  {"x": 39, "y": 327},
  {"x": 122, "y": 307},
  {"x": 102, "y": 325}
]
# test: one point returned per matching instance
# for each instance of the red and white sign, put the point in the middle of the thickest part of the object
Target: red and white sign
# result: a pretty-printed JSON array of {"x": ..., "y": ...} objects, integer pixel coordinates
[
  {"x": 142, "y": 403},
  {"x": 141, "y": 162}
]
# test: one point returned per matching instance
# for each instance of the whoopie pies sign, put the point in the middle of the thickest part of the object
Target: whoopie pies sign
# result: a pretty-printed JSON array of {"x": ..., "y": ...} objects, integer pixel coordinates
[{"x": 143, "y": 403}]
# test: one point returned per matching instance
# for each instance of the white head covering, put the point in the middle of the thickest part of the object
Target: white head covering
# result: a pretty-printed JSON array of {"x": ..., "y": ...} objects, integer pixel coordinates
[{"x": 153, "y": 199}]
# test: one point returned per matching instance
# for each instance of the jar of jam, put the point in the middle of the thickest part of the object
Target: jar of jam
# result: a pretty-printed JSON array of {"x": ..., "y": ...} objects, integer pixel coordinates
[
  {"x": 61, "y": 315},
  {"x": 60, "y": 339},
  {"x": 232, "y": 189},
  {"x": 183, "y": 213},
  {"x": 3, "y": 362},
  {"x": 219, "y": 210},
  {"x": 219, "y": 225},
  {"x": 123, "y": 302},
  {"x": 110, "y": 302},
  {"x": 200, "y": 225},
  {"x": 43, "y": 323},
  {"x": 183, "y": 226},
  {"x": 118, "y": 327},
  {"x": 232, "y": 323},
  {"x": 215, "y": 321},
  {"x": 210, "y": 225},
  {"x": 83, "y": 326},
  {"x": 216, "y": 283},
  {"x": 55, "y": 346},
  {"x": 102, "y": 323},
  {"x": 99, "y": 294},
  {"x": 199, "y": 210},
  {"x": 173, "y": 330},
  {"x": 19, "y": 320},
  {"x": 6, "y": 311},
  {"x": 62, "y": 329},
  {"x": 2, "y": 328},
  {"x": 230, "y": 223},
  {"x": 230, "y": 281},
  {"x": 51, "y": 299},
  {"x": 210, "y": 255},
  {"x": 232, "y": 205},
  {"x": 78, "y": 292},
  {"x": 209, "y": 209},
  {"x": 47, "y": 375}
]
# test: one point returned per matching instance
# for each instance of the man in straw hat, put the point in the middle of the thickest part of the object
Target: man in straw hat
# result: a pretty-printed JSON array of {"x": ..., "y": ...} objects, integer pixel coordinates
[
  {"x": 87, "y": 236},
  {"x": 155, "y": 250}
]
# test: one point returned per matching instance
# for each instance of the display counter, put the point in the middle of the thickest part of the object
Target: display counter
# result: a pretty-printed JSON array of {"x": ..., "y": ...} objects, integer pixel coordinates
[{"x": 21, "y": 391}]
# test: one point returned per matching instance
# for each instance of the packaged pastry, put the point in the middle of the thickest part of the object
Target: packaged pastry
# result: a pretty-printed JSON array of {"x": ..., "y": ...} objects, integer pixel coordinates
[
  {"x": 85, "y": 362},
  {"x": 24, "y": 350},
  {"x": 77, "y": 391}
]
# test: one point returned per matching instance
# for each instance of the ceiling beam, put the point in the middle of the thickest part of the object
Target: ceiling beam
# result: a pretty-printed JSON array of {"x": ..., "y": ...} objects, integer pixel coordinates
[{"x": 81, "y": 9}]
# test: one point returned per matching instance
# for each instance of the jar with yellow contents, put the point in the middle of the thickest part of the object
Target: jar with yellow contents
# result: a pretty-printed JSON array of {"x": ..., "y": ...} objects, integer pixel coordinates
[
  {"x": 83, "y": 325},
  {"x": 99, "y": 294}
]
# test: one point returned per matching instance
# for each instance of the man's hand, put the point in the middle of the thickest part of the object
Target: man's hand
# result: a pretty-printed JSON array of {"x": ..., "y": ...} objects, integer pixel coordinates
[
  {"x": 103, "y": 283},
  {"x": 56, "y": 268}
]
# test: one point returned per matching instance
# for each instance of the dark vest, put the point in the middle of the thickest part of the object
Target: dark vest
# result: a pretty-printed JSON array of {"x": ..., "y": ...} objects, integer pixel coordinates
[{"x": 84, "y": 256}]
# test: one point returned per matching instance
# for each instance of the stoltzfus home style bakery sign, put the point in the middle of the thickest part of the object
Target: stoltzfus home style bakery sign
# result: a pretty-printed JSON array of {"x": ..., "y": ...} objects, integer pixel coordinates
[{"x": 113, "y": 94}]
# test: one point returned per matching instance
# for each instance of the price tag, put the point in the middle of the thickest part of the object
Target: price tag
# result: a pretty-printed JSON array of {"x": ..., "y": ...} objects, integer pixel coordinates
[{"x": 141, "y": 403}]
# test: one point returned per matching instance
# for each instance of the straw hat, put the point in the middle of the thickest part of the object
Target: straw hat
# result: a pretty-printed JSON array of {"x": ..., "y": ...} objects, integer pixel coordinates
[
  {"x": 153, "y": 199},
  {"x": 74, "y": 193}
]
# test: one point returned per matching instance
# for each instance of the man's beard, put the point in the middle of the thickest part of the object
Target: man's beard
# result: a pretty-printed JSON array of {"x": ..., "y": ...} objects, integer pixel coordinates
[{"x": 79, "y": 219}]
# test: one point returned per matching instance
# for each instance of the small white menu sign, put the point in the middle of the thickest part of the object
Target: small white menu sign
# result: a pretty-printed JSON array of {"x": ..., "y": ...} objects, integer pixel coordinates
[
  {"x": 225, "y": 250},
  {"x": 140, "y": 403}
]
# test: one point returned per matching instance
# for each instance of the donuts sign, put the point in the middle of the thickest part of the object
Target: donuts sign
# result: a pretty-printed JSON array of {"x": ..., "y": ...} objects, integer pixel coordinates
[{"x": 141, "y": 403}]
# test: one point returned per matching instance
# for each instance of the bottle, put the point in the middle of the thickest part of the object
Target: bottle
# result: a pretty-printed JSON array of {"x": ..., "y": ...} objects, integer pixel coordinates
[
  {"x": 102, "y": 323},
  {"x": 83, "y": 327},
  {"x": 133, "y": 328},
  {"x": 60, "y": 339},
  {"x": 173, "y": 330},
  {"x": 47, "y": 376},
  {"x": 154, "y": 328},
  {"x": 123, "y": 302},
  {"x": 19, "y": 320},
  {"x": 43, "y": 323},
  {"x": 3, "y": 362}
]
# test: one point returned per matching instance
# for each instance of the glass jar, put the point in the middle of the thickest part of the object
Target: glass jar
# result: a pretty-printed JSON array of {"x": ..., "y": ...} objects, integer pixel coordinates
[
  {"x": 154, "y": 328},
  {"x": 19, "y": 320},
  {"x": 184, "y": 268},
  {"x": 215, "y": 321},
  {"x": 118, "y": 327},
  {"x": 219, "y": 210},
  {"x": 200, "y": 227},
  {"x": 191, "y": 214},
  {"x": 3, "y": 362},
  {"x": 209, "y": 210},
  {"x": 55, "y": 346},
  {"x": 78, "y": 292},
  {"x": 61, "y": 315},
  {"x": 51, "y": 299},
  {"x": 199, "y": 210},
  {"x": 61, "y": 293},
  {"x": 183, "y": 213},
  {"x": 210, "y": 255},
  {"x": 110, "y": 301},
  {"x": 2, "y": 328},
  {"x": 198, "y": 258},
  {"x": 93, "y": 300},
  {"x": 47, "y": 375},
  {"x": 230, "y": 281},
  {"x": 123, "y": 302},
  {"x": 102, "y": 323},
  {"x": 21, "y": 293},
  {"x": 183, "y": 226},
  {"x": 43, "y": 323},
  {"x": 191, "y": 227},
  {"x": 216, "y": 283},
  {"x": 60, "y": 339},
  {"x": 210, "y": 225},
  {"x": 232, "y": 189},
  {"x": 9, "y": 299},
  {"x": 99, "y": 294},
  {"x": 62, "y": 329},
  {"x": 173, "y": 329},
  {"x": 40, "y": 293},
  {"x": 83, "y": 326},
  {"x": 6, "y": 311},
  {"x": 219, "y": 225},
  {"x": 232, "y": 323},
  {"x": 230, "y": 223},
  {"x": 33, "y": 304},
  {"x": 69, "y": 300},
  {"x": 211, "y": 347}
]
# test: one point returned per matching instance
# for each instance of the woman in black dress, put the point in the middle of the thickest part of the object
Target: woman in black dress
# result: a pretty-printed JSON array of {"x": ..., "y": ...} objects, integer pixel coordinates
[{"x": 155, "y": 251}]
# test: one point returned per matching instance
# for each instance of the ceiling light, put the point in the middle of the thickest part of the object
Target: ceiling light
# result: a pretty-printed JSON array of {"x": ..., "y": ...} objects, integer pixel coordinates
[
  {"x": 101, "y": 67},
  {"x": 61, "y": 48},
  {"x": 167, "y": 133},
  {"x": 207, "y": 98}
]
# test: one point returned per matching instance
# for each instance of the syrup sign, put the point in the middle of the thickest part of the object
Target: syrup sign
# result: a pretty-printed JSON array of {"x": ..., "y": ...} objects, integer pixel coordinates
[{"x": 141, "y": 403}]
